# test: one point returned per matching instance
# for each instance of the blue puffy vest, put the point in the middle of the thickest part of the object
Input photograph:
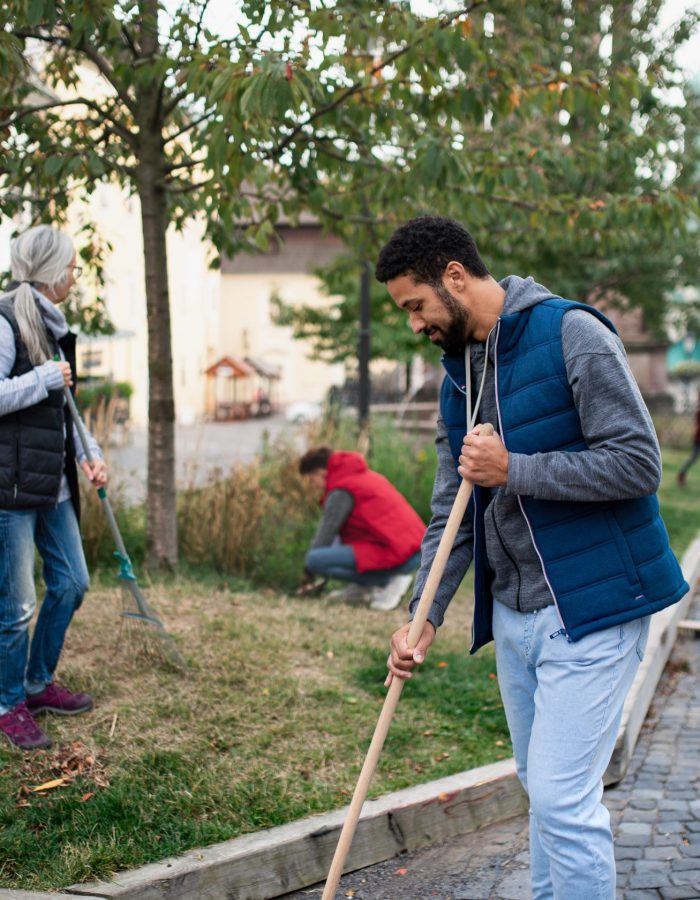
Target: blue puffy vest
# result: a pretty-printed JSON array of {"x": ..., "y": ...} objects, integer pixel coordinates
[{"x": 605, "y": 562}]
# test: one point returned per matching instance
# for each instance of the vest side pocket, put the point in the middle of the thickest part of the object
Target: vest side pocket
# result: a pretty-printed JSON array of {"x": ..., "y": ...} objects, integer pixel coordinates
[{"x": 623, "y": 549}]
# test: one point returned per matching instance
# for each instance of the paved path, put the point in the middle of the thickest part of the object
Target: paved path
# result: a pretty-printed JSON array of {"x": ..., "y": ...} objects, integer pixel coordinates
[
  {"x": 655, "y": 812},
  {"x": 199, "y": 450}
]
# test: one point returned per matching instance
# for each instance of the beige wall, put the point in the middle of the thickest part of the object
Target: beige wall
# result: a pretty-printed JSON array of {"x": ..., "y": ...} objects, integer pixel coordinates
[
  {"x": 212, "y": 313},
  {"x": 194, "y": 305},
  {"x": 247, "y": 330}
]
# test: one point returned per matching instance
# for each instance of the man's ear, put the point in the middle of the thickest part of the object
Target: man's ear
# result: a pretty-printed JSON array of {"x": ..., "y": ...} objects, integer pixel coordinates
[{"x": 455, "y": 276}]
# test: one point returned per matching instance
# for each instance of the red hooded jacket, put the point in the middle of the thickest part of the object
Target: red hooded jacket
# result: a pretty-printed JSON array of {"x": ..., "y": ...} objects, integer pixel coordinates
[{"x": 383, "y": 528}]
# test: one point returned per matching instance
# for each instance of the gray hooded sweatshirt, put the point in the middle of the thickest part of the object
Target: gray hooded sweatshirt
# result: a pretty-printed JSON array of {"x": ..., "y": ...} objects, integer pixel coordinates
[{"x": 622, "y": 461}]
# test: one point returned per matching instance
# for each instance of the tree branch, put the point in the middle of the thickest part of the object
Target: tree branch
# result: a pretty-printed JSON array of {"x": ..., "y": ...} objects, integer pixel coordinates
[
  {"x": 174, "y": 100},
  {"x": 190, "y": 164},
  {"x": 119, "y": 129},
  {"x": 359, "y": 87},
  {"x": 200, "y": 22},
  {"x": 173, "y": 187},
  {"x": 99, "y": 61},
  {"x": 108, "y": 74},
  {"x": 130, "y": 41}
]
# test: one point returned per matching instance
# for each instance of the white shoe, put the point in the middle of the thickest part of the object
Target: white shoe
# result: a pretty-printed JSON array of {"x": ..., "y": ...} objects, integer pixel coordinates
[
  {"x": 390, "y": 596},
  {"x": 351, "y": 593}
]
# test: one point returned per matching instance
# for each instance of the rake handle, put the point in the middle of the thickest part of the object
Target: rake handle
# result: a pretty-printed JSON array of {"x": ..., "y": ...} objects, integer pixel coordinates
[
  {"x": 394, "y": 693},
  {"x": 102, "y": 493}
]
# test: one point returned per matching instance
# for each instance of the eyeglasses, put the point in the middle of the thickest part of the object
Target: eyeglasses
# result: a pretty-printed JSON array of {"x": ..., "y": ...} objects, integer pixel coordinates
[{"x": 77, "y": 271}]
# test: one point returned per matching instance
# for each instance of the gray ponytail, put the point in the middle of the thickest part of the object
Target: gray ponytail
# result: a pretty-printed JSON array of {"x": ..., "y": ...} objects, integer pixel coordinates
[{"x": 42, "y": 256}]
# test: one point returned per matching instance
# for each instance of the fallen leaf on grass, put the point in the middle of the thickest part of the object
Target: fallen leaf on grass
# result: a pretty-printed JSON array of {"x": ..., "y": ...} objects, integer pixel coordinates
[
  {"x": 492, "y": 676},
  {"x": 401, "y": 872},
  {"x": 442, "y": 664},
  {"x": 87, "y": 796},
  {"x": 49, "y": 785},
  {"x": 58, "y": 767},
  {"x": 350, "y": 893}
]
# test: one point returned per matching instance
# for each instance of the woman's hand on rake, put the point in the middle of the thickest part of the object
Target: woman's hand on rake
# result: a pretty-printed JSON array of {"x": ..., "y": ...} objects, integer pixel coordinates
[
  {"x": 64, "y": 368},
  {"x": 402, "y": 660},
  {"x": 96, "y": 471}
]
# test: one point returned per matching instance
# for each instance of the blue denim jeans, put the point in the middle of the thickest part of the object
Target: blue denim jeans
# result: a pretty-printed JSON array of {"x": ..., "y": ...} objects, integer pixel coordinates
[
  {"x": 56, "y": 534},
  {"x": 338, "y": 561},
  {"x": 563, "y": 702}
]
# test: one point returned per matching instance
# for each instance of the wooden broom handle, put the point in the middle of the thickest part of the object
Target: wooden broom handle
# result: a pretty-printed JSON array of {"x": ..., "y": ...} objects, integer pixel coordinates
[{"x": 432, "y": 582}]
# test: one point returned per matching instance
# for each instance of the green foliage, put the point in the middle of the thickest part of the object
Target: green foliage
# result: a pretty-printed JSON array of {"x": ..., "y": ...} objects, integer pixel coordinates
[
  {"x": 571, "y": 163},
  {"x": 334, "y": 332},
  {"x": 372, "y": 115},
  {"x": 90, "y": 395}
]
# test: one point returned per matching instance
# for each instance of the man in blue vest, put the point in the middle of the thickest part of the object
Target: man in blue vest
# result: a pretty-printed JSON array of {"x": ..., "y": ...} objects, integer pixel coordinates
[{"x": 570, "y": 554}]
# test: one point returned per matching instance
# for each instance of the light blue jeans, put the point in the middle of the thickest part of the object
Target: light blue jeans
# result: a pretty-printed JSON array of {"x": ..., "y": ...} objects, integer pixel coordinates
[
  {"x": 56, "y": 534},
  {"x": 338, "y": 561},
  {"x": 563, "y": 702}
]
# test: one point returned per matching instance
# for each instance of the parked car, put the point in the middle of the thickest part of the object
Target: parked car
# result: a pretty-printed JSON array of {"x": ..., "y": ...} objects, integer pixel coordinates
[{"x": 303, "y": 411}]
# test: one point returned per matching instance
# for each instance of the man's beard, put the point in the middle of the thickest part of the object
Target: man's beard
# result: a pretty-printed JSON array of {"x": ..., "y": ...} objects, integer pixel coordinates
[{"x": 454, "y": 338}]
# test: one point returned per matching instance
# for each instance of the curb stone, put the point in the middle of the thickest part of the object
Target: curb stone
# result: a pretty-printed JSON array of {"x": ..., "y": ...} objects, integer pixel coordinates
[{"x": 280, "y": 860}]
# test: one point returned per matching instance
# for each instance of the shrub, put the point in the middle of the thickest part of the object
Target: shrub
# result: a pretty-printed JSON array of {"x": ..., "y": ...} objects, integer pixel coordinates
[{"x": 257, "y": 521}]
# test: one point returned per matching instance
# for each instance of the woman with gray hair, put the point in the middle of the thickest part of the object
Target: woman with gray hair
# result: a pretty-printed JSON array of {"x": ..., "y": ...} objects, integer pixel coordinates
[{"x": 39, "y": 497}]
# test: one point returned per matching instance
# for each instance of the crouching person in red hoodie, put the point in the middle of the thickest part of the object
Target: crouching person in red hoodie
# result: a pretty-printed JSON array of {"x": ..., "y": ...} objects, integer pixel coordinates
[{"x": 369, "y": 534}]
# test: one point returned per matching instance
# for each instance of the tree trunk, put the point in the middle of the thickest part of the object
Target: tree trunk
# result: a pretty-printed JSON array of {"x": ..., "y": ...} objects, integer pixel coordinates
[
  {"x": 161, "y": 509},
  {"x": 162, "y": 524},
  {"x": 161, "y": 536}
]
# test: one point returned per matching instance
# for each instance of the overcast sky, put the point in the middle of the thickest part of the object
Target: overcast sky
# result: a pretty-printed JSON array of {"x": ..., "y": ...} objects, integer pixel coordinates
[{"x": 689, "y": 55}]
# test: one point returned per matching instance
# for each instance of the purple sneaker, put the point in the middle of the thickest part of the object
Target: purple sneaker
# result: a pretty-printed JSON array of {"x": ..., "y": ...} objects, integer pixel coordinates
[
  {"x": 21, "y": 730},
  {"x": 57, "y": 699}
]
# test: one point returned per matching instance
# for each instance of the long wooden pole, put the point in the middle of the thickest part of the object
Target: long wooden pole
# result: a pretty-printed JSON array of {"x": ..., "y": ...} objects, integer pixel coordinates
[{"x": 394, "y": 693}]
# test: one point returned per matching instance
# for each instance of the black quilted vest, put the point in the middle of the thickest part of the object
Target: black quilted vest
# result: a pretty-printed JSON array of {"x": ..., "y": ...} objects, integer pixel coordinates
[{"x": 37, "y": 442}]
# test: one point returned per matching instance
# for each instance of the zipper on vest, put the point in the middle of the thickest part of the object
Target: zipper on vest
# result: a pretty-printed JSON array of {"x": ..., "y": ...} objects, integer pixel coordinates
[
  {"x": 506, "y": 550},
  {"x": 520, "y": 502},
  {"x": 16, "y": 486}
]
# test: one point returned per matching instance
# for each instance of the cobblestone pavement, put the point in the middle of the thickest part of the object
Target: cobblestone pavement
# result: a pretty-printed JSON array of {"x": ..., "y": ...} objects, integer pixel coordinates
[{"x": 655, "y": 812}]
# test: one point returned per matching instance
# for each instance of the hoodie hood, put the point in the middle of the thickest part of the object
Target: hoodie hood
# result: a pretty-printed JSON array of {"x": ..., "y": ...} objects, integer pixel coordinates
[
  {"x": 345, "y": 462},
  {"x": 522, "y": 293}
]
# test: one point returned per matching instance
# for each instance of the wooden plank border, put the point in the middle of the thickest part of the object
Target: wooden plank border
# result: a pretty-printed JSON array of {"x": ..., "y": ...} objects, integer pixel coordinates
[{"x": 273, "y": 862}]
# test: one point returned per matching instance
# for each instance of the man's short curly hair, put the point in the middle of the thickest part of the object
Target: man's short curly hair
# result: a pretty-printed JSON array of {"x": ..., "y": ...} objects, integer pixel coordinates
[
  {"x": 423, "y": 247},
  {"x": 314, "y": 459}
]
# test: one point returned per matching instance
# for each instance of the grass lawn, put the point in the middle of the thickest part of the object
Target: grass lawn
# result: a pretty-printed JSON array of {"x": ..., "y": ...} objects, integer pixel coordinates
[{"x": 271, "y": 723}]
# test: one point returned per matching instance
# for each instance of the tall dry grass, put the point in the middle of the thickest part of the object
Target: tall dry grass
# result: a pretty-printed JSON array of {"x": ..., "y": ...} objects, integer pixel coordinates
[{"x": 254, "y": 522}]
